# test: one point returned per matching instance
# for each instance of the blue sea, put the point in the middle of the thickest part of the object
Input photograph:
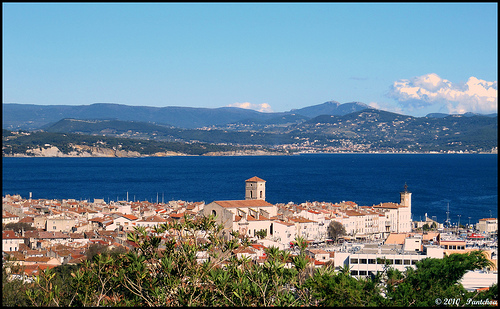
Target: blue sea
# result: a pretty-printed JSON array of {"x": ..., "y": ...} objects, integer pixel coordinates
[{"x": 467, "y": 183}]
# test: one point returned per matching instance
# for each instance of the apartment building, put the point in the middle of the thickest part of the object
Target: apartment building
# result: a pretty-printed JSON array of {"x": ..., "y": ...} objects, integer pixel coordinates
[
  {"x": 487, "y": 225},
  {"x": 59, "y": 224}
]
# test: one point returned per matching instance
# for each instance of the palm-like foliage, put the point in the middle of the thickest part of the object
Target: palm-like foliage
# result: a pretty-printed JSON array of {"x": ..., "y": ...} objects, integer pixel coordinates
[{"x": 163, "y": 270}]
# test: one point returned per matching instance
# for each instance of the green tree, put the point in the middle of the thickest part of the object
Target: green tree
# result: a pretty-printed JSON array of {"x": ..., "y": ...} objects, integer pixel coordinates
[
  {"x": 340, "y": 289},
  {"x": 433, "y": 278},
  {"x": 19, "y": 227},
  {"x": 164, "y": 269},
  {"x": 13, "y": 289},
  {"x": 335, "y": 230},
  {"x": 261, "y": 234}
]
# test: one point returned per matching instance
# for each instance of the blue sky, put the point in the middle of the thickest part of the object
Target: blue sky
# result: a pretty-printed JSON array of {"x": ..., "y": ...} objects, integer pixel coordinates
[{"x": 410, "y": 58}]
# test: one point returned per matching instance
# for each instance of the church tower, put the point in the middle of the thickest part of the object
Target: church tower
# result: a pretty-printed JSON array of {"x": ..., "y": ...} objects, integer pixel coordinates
[
  {"x": 406, "y": 198},
  {"x": 404, "y": 214},
  {"x": 255, "y": 189}
]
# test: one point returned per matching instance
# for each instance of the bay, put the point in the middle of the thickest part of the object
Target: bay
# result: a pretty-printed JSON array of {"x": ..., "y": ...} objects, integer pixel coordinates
[{"x": 468, "y": 183}]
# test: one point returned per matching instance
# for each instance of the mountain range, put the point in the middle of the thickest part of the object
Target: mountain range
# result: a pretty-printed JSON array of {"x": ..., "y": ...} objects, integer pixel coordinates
[
  {"x": 329, "y": 126},
  {"x": 33, "y": 117}
]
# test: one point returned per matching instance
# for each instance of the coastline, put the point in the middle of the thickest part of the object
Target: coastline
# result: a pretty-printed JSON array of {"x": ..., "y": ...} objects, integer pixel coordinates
[{"x": 133, "y": 154}]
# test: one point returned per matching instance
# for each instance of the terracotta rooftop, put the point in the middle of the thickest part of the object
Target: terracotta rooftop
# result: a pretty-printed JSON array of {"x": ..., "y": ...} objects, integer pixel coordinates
[
  {"x": 243, "y": 203},
  {"x": 284, "y": 223},
  {"x": 396, "y": 239},
  {"x": 255, "y": 179},
  {"x": 387, "y": 205},
  {"x": 9, "y": 234},
  {"x": 7, "y": 214},
  {"x": 301, "y": 220},
  {"x": 153, "y": 219},
  {"x": 130, "y": 217}
]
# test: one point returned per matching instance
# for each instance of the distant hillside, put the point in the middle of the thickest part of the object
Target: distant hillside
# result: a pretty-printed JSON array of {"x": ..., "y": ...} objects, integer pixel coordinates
[
  {"x": 149, "y": 131},
  {"x": 330, "y": 108},
  {"x": 33, "y": 117},
  {"x": 329, "y": 126},
  {"x": 369, "y": 129},
  {"x": 468, "y": 114},
  {"x": 49, "y": 144}
]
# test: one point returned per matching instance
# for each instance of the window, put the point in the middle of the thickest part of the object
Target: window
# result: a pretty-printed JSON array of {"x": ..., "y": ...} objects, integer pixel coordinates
[
  {"x": 354, "y": 272},
  {"x": 354, "y": 261},
  {"x": 362, "y": 261},
  {"x": 362, "y": 272},
  {"x": 261, "y": 194},
  {"x": 397, "y": 262},
  {"x": 54, "y": 227},
  {"x": 406, "y": 262},
  {"x": 413, "y": 262},
  {"x": 214, "y": 213},
  {"x": 372, "y": 261}
]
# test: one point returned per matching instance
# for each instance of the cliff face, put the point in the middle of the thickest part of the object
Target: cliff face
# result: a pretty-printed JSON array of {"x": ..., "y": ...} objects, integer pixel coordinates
[
  {"x": 81, "y": 151},
  {"x": 88, "y": 151}
]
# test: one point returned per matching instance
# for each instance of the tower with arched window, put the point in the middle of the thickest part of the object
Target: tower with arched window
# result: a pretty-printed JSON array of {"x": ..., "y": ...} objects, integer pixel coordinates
[{"x": 255, "y": 189}]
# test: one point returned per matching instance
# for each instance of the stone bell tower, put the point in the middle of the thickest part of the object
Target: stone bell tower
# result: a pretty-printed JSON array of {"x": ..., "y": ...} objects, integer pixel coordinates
[
  {"x": 255, "y": 189},
  {"x": 406, "y": 198},
  {"x": 404, "y": 213}
]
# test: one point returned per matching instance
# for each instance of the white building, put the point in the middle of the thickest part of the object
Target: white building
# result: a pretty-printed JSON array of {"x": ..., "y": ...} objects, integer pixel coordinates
[
  {"x": 487, "y": 225},
  {"x": 284, "y": 232},
  {"x": 11, "y": 241},
  {"x": 308, "y": 229},
  {"x": 7, "y": 217},
  {"x": 368, "y": 262}
]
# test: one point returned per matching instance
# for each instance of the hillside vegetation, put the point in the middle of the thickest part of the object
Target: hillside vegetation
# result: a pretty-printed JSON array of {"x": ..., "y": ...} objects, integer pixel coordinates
[
  {"x": 72, "y": 144},
  {"x": 162, "y": 270}
]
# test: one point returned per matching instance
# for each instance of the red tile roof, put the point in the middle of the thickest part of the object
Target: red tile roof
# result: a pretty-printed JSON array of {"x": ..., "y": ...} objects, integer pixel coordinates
[
  {"x": 9, "y": 234},
  {"x": 388, "y": 205},
  {"x": 243, "y": 203},
  {"x": 153, "y": 219},
  {"x": 255, "y": 179},
  {"x": 130, "y": 217},
  {"x": 7, "y": 214}
]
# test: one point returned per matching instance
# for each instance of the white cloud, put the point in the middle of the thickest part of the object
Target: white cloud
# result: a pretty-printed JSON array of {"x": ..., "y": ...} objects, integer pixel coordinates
[
  {"x": 264, "y": 107},
  {"x": 430, "y": 90},
  {"x": 386, "y": 107}
]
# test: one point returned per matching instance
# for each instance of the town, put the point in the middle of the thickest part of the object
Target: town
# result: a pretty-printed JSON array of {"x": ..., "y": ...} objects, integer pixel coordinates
[{"x": 62, "y": 231}]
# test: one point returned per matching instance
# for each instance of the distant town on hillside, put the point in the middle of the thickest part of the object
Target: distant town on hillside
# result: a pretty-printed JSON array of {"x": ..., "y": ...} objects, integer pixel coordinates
[{"x": 120, "y": 130}]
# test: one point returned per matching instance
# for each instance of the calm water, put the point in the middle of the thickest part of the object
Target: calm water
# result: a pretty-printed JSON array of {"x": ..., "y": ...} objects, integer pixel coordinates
[{"x": 467, "y": 182}]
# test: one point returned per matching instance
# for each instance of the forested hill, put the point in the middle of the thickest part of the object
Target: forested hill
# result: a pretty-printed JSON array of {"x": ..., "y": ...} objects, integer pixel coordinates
[
  {"x": 48, "y": 144},
  {"x": 366, "y": 130}
]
